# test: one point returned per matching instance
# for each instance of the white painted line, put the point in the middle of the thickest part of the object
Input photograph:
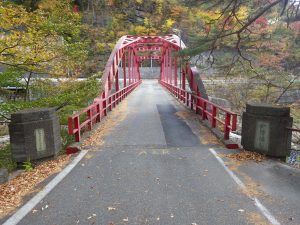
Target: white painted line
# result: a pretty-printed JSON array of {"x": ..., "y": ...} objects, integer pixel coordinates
[
  {"x": 233, "y": 176},
  {"x": 28, "y": 207},
  {"x": 240, "y": 183},
  {"x": 266, "y": 212}
]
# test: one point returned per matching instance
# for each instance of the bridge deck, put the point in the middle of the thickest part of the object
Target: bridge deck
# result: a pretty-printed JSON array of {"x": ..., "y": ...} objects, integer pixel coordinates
[{"x": 153, "y": 168}]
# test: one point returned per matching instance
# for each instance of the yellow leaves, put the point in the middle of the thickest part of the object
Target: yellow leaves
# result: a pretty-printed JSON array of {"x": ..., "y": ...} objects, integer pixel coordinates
[
  {"x": 139, "y": 1},
  {"x": 29, "y": 40},
  {"x": 140, "y": 30},
  {"x": 111, "y": 45},
  {"x": 159, "y": 6},
  {"x": 12, "y": 16},
  {"x": 242, "y": 13},
  {"x": 208, "y": 16},
  {"x": 168, "y": 24},
  {"x": 101, "y": 46},
  {"x": 147, "y": 22}
]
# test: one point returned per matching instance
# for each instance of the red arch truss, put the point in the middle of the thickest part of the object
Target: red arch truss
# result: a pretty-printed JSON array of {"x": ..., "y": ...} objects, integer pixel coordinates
[{"x": 126, "y": 58}]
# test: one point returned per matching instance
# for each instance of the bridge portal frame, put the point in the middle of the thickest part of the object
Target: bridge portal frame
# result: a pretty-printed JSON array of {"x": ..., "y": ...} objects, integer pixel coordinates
[{"x": 131, "y": 51}]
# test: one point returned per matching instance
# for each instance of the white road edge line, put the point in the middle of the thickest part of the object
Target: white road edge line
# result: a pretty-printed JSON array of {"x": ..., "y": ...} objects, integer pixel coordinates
[
  {"x": 25, "y": 209},
  {"x": 240, "y": 183}
]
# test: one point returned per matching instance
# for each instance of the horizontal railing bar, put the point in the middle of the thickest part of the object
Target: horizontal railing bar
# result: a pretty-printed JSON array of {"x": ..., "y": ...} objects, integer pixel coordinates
[
  {"x": 210, "y": 111},
  {"x": 92, "y": 113}
]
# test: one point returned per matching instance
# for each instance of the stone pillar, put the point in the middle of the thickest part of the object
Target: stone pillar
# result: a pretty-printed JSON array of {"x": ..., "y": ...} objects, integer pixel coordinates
[
  {"x": 34, "y": 134},
  {"x": 264, "y": 129}
]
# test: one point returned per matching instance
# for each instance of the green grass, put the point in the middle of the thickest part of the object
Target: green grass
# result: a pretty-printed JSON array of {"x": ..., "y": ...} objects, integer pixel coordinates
[{"x": 6, "y": 160}]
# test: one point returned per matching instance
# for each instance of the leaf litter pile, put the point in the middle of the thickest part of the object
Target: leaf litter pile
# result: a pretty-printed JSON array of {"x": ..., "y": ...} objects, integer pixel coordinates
[
  {"x": 12, "y": 193},
  {"x": 106, "y": 126},
  {"x": 247, "y": 156}
]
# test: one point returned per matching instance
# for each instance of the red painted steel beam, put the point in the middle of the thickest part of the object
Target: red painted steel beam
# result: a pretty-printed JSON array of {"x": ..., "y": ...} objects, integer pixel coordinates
[{"x": 132, "y": 51}]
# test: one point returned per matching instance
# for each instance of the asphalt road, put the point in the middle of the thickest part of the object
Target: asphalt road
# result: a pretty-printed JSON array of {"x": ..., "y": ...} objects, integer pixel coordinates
[{"x": 155, "y": 168}]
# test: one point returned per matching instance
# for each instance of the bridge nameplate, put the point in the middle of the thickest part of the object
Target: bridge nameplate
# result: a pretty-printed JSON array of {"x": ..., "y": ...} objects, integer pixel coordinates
[
  {"x": 262, "y": 131},
  {"x": 40, "y": 141}
]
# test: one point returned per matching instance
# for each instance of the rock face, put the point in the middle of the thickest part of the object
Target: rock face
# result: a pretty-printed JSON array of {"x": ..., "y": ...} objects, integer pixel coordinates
[
  {"x": 34, "y": 134},
  {"x": 264, "y": 129},
  {"x": 3, "y": 176}
]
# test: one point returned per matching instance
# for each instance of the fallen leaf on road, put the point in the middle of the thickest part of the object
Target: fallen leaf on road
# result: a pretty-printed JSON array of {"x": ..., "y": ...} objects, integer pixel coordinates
[
  {"x": 92, "y": 216},
  {"x": 194, "y": 224},
  {"x": 247, "y": 156},
  {"x": 111, "y": 208},
  {"x": 34, "y": 211},
  {"x": 12, "y": 192},
  {"x": 43, "y": 208}
]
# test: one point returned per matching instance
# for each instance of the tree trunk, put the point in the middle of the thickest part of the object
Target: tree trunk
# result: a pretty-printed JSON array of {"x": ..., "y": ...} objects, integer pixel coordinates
[{"x": 27, "y": 87}]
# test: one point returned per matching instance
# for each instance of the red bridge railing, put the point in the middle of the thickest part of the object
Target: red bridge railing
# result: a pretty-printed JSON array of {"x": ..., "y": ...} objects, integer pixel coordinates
[
  {"x": 208, "y": 110},
  {"x": 87, "y": 118},
  {"x": 123, "y": 69}
]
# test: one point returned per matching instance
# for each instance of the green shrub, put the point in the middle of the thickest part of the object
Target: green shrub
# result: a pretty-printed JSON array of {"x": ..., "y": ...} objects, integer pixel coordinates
[{"x": 6, "y": 160}]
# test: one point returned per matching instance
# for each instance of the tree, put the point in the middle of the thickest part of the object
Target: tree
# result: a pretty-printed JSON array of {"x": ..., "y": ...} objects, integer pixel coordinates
[{"x": 46, "y": 40}]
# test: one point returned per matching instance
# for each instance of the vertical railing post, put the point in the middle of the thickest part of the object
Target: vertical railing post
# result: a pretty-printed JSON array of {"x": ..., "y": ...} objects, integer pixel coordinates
[
  {"x": 104, "y": 104},
  {"x": 226, "y": 126},
  {"x": 77, "y": 127},
  {"x": 109, "y": 103},
  {"x": 171, "y": 65},
  {"x": 198, "y": 102},
  {"x": 98, "y": 111},
  {"x": 234, "y": 122},
  {"x": 192, "y": 102},
  {"x": 89, "y": 115},
  {"x": 109, "y": 80},
  {"x": 187, "y": 98},
  {"x": 214, "y": 116},
  {"x": 129, "y": 66},
  {"x": 204, "y": 110},
  {"x": 124, "y": 68},
  {"x": 166, "y": 66},
  {"x": 183, "y": 79},
  {"x": 117, "y": 86},
  {"x": 175, "y": 70}
]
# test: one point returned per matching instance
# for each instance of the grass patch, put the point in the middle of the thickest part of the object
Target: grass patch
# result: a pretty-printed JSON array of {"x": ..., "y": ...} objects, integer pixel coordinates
[{"x": 6, "y": 160}]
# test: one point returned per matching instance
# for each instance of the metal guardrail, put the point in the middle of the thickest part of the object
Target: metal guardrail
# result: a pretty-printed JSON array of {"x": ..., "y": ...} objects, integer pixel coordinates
[
  {"x": 87, "y": 118},
  {"x": 208, "y": 110}
]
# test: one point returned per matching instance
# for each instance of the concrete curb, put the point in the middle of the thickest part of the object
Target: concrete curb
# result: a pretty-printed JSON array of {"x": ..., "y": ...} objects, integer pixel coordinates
[{"x": 228, "y": 143}]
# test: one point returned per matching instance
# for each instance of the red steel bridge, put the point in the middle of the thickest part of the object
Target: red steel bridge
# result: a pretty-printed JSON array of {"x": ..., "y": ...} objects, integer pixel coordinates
[{"x": 179, "y": 78}]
